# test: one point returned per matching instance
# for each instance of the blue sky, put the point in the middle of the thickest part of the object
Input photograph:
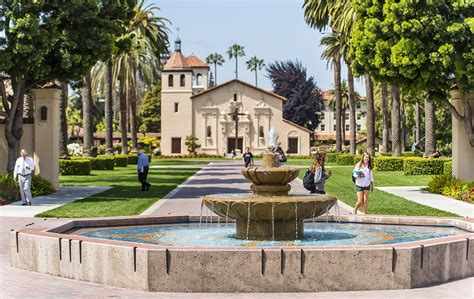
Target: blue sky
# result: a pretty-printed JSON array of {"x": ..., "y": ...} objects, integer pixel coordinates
[{"x": 270, "y": 29}]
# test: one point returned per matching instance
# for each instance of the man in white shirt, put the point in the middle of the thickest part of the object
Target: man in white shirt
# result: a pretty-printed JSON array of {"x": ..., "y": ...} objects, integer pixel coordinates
[{"x": 23, "y": 171}]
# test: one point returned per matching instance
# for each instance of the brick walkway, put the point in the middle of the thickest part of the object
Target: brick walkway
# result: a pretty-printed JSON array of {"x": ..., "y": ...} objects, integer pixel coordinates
[{"x": 220, "y": 177}]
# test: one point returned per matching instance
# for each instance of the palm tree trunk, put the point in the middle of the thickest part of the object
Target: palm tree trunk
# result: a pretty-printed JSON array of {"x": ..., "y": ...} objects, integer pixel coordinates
[
  {"x": 352, "y": 110},
  {"x": 63, "y": 136},
  {"x": 87, "y": 114},
  {"x": 385, "y": 118},
  {"x": 123, "y": 117},
  {"x": 256, "y": 85},
  {"x": 236, "y": 69},
  {"x": 396, "y": 151},
  {"x": 215, "y": 73},
  {"x": 370, "y": 121},
  {"x": 417, "y": 122},
  {"x": 404, "y": 126},
  {"x": 343, "y": 126},
  {"x": 337, "y": 87},
  {"x": 108, "y": 108},
  {"x": 133, "y": 118},
  {"x": 430, "y": 126}
]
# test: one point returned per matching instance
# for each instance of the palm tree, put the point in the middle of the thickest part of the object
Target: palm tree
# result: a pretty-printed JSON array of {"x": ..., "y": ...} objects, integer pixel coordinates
[
  {"x": 147, "y": 37},
  {"x": 236, "y": 51},
  {"x": 216, "y": 59},
  {"x": 108, "y": 86},
  {"x": 396, "y": 148},
  {"x": 385, "y": 117},
  {"x": 63, "y": 138},
  {"x": 88, "y": 133},
  {"x": 430, "y": 126},
  {"x": 370, "y": 120},
  {"x": 417, "y": 121},
  {"x": 333, "y": 54},
  {"x": 253, "y": 64}
]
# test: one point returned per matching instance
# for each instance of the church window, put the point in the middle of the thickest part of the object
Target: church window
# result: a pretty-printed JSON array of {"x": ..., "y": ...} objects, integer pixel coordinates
[
  {"x": 323, "y": 128},
  {"x": 209, "y": 132},
  {"x": 199, "y": 80},
  {"x": 44, "y": 113},
  {"x": 358, "y": 105},
  {"x": 170, "y": 80},
  {"x": 235, "y": 97},
  {"x": 182, "y": 80},
  {"x": 176, "y": 107},
  {"x": 261, "y": 134}
]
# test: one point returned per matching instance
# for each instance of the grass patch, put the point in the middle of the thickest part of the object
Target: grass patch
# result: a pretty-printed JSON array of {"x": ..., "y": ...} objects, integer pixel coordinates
[
  {"x": 170, "y": 162},
  {"x": 341, "y": 186},
  {"x": 125, "y": 198}
]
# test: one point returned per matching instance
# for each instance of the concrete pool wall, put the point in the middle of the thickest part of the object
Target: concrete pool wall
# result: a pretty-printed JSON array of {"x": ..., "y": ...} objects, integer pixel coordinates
[{"x": 246, "y": 269}]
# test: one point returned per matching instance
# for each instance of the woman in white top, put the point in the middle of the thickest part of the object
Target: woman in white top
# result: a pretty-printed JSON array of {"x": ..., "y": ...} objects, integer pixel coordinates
[{"x": 364, "y": 180}]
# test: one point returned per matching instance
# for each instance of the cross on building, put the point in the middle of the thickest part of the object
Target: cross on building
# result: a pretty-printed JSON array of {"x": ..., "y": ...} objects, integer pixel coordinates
[{"x": 235, "y": 116}]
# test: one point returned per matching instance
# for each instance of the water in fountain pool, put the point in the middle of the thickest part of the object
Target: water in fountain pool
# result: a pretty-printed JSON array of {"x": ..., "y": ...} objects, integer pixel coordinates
[{"x": 319, "y": 234}]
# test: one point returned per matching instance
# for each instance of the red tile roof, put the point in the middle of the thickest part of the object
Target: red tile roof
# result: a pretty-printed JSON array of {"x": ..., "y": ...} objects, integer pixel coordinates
[
  {"x": 176, "y": 61},
  {"x": 194, "y": 61}
]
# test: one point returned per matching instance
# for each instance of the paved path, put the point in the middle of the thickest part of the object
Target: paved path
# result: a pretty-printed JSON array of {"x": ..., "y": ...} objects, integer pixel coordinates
[
  {"x": 45, "y": 203},
  {"x": 440, "y": 202},
  {"x": 216, "y": 178}
]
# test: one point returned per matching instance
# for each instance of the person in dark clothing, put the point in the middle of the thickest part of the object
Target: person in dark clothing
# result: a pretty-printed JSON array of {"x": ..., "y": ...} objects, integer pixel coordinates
[
  {"x": 142, "y": 168},
  {"x": 320, "y": 174},
  {"x": 248, "y": 158}
]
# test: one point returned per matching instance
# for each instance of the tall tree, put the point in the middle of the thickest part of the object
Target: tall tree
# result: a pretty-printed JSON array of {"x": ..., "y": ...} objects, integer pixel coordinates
[
  {"x": 385, "y": 118},
  {"x": 370, "y": 119},
  {"x": 216, "y": 59},
  {"x": 236, "y": 51},
  {"x": 333, "y": 54},
  {"x": 63, "y": 136},
  {"x": 88, "y": 127},
  {"x": 396, "y": 149},
  {"x": 304, "y": 101},
  {"x": 254, "y": 64},
  {"x": 46, "y": 40},
  {"x": 417, "y": 122},
  {"x": 430, "y": 127},
  {"x": 109, "y": 100},
  {"x": 419, "y": 45}
]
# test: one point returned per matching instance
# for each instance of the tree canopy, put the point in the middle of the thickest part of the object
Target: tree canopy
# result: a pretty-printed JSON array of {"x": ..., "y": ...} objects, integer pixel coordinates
[{"x": 289, "y": 80}]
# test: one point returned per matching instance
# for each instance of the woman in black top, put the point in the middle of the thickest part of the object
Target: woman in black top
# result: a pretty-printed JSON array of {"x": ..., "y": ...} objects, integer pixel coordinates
[{"x": 248, "y": 158}]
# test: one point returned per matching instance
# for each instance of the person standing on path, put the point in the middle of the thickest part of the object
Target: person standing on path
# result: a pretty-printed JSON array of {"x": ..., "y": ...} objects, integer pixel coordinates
[
  {"x": 248, "y": 158},
  {"x": 320, "y": 174},
  {"x": 24, "y": 168},
  {"x": 142, "y": 168},
  {"x": 364, "y": 181}
]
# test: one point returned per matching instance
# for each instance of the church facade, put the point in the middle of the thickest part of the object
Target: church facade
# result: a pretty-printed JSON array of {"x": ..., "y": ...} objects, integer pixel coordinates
[{"x": 221, "y": 116}]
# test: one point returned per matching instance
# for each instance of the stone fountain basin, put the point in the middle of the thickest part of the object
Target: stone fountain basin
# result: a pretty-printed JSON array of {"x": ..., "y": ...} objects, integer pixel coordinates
[
  {"x": 270, "y": 175},
  {"x": 285, "y": 208}
]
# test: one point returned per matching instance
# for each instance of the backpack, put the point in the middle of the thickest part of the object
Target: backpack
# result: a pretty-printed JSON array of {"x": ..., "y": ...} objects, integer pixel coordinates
[
  {"x": 308, "y": 180},
  {"x": 353, "y": 178}
]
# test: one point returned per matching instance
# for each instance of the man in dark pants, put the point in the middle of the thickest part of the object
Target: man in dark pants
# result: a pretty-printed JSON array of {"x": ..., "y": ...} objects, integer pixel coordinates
[{"x": 142, "y": 168}]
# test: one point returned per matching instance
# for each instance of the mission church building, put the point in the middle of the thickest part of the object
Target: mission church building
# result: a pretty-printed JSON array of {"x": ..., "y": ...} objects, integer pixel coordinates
[{"x": 189, "y": 107}]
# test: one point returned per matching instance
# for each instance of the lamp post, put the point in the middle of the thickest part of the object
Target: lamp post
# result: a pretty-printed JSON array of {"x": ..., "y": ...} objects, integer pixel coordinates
[{"x": 235, "y": 115}]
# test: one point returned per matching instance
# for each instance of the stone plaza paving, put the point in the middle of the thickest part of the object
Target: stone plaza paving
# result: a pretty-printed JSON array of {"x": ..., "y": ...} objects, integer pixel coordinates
[{"x": 218, "y": 177}]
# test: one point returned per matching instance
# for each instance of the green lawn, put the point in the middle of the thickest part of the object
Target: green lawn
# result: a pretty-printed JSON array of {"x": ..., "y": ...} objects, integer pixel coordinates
[
  {"x": 125, "y": 198},
  {"x": 170, "y": 162},
  {"x": 341, "y": 186}
]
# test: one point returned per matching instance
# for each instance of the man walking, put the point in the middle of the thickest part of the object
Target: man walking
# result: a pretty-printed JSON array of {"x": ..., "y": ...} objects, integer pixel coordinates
[
  {"x": 142, "y": 168},
  {"x": 24, "y": 168}
]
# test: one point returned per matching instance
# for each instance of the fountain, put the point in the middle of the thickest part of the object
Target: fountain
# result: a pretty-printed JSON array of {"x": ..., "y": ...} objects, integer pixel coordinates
[{"x": 269, "y": 213}]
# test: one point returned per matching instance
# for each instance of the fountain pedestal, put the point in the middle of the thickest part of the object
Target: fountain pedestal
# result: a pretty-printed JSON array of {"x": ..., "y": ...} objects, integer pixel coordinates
[{"x": 270, "y": 213}]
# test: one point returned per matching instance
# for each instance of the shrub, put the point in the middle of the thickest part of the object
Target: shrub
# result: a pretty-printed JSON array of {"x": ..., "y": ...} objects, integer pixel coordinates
[
  {"x": 102, "y": 163},
  {"x": 448, "y": 168},
  {"x": 460, "y": 190},
  {"x": 437, "y": 183},
  {"x": 74, "y": 149},
  {"x": 121, "y": 160},
  {"x": 417, "y": 166},
  {"x": 10, "y": 190},
  {"x": 345, "y": 159},
  {"x": 408, "y": 154},
  {"x": 384, "y": 154},
  {"x": 41, "y": 186},
  {"x": 388, "y": 163},
  {"x": 132, "y": 159},
  {"x": 331, "y": 157},
  {"x": 357, "y": 158},
  {"x": 75, "y": 167}
]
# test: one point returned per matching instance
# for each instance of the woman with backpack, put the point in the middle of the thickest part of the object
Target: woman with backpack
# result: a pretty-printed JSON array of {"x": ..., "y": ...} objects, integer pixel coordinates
[
  {"x": 320, "y": 174},
  {"x": 364, "y": 181}
]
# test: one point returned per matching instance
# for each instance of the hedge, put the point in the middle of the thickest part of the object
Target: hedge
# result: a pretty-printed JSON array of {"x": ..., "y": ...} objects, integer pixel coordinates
[
  {"x": 75, "y": 167},
  {"x": 103, "y": 163},
  {"x": 448, "y": 168},
  {"x": 384, "y": 154},
  {"x": 357, "y": 158},
  {"x": 388, "y": 163},
  {"x": 416, "y": 166},
  {"x": 121, "y": 160},
  {"x": 345, "y": 159},
  {"x": 132, "y": 159},
  {"x": 331, "y": 157}
]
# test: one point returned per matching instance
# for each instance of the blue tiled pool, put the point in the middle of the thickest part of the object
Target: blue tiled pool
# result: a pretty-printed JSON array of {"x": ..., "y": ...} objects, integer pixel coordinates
[{"x": 316, "y": 234}]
